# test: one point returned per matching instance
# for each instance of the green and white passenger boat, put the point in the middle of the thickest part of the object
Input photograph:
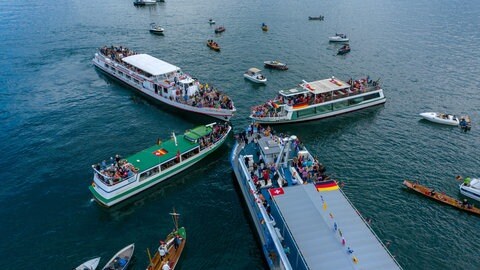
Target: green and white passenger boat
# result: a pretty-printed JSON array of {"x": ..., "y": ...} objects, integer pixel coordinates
[
  {"x": 120, "y": 178},
  {"x": 319, "y": 99}
]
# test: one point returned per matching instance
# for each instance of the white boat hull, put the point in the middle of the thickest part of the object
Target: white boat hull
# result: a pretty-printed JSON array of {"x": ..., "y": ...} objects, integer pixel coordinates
[
  {"x": 436, "y": 118},
  {"x": 255, "y": 79},
  {"x": 472, "y": 191},
  {"x": 338, "y": 39},
  {"x": 90, "y": 264},
  {"x": 286, "y": 119}
]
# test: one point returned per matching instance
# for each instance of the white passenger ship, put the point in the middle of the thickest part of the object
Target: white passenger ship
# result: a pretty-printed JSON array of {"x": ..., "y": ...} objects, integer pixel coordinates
[
  {"x": 319, "y": 99},
  {"x": 163, "y": 82}
]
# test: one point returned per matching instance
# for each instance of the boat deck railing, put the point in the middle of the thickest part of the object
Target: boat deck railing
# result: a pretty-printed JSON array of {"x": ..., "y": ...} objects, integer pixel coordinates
[{"x": 265, "y": 216}]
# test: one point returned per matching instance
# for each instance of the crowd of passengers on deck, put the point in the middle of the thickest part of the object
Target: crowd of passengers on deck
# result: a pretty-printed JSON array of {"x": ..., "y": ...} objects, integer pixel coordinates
[
  {"x": 207, "y": 96},
  {"x": 217, "y": 134},
  {"x": 269, "y": 108},
  {"x": 265, "y": 174}
]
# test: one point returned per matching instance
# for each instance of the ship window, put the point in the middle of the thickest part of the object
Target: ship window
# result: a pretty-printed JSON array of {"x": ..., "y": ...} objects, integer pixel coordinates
[
  {"x": 371, "y": 96},
  {"x": 190, "y": 154},
  {"x": 121, "y": 73},
  {"x": 128, "y": 77},
  {"x": 322, "y": 109},
  {"x": 149, "y": 173},
  {"x": 112, "y": 68},
  {"x": 340, "y": 105},
  {"x": 167, "y": 164},
  {"x": 305, "y": 112},
  {"x": 136, "y": 81}
]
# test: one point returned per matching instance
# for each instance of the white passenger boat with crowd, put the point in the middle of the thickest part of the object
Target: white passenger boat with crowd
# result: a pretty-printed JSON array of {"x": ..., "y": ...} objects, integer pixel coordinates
[
  {"x": 319, "y": 99},
  {"x": 163, "y": 82}
]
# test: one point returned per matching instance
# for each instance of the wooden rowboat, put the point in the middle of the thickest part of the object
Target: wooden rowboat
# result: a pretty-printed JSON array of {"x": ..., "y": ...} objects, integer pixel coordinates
[
  {"x": 174, "y": 244},
  {"x": 430, "y": 193}
]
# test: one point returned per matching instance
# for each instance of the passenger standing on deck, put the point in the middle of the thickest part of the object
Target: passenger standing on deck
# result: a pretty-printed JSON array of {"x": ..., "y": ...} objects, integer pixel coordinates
[{"x": 166, "y": 266}]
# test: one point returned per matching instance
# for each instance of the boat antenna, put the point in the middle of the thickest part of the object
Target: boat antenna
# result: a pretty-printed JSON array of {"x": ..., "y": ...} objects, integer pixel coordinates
[{"x": 175, "y": 217}]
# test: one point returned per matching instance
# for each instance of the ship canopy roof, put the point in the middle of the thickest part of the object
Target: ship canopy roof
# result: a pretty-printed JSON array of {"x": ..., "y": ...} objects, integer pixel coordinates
[
  {"x": 150, "y": 64},
  {"x": 325, "y": 86},
  {"x": 168, "y": 150}
]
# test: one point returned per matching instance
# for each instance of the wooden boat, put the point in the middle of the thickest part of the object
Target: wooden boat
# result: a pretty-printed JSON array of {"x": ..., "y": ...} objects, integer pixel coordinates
[
  {"x": 254, "y": 75},
  {"x": 89, "y": 265},
  {"x": 338, "y": 38},
  {"x": 156, "y": 29},
  {"x": 344, "y": 49},
  {"x": 213, "y": 45},
  {"x": 316, "y": 18},
  {"x": 430, "y": 193},
  {"x": 275, "y": 65},
  {"x": 264, "y": 27},
  {"x": 174, "y": 243},
  {"x": 219, "y": 30},
  {"x": 120, "y": 260}
]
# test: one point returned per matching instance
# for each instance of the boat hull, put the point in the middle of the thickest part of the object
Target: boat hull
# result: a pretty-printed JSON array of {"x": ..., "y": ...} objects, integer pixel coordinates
[
  {"x": 472, "y": 191},
  {"x": 273, "y": 120},
  {"x": 254, "y": 79},
  {"x": 90, "y": 264},
  {"x": 434, "y": 117},
  {"x": 440, "y": 197},
  {"x": 241, "y": 181},
  {"x": 222, "y": 114},
  {"x": 114, "y": 197},
  {"x": 273, "y": 66}
]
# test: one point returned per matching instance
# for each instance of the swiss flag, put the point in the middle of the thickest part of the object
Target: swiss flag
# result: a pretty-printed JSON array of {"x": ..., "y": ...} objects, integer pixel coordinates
[{"x": 276, "y": 191}]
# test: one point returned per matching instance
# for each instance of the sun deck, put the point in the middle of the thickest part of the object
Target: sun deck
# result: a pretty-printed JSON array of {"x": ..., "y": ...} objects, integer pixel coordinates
[
  {"x": 150, "y": 64},
  {"x": 327, "y": 85},
  {"x": 308, "y": 214}
]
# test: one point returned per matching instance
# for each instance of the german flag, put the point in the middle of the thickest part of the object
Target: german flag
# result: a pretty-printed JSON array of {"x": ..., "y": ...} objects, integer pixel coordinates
[
  {"x": 160, "y": 152},
  {"x": 326, "y": 186}
]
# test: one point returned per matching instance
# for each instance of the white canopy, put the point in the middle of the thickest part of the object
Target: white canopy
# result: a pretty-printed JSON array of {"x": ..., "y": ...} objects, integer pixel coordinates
[
  {"x": 324, "y": 86},
  {"x": 150, "y": 64}
]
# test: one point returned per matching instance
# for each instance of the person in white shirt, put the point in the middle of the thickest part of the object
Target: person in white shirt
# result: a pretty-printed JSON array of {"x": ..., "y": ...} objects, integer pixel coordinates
[{"x": 166, "y": 266}]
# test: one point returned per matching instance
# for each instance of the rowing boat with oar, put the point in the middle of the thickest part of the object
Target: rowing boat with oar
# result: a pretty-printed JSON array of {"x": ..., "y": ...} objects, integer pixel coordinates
[
  {"x": 441, "y": 197},
  {"x": 172, "y": 248}
]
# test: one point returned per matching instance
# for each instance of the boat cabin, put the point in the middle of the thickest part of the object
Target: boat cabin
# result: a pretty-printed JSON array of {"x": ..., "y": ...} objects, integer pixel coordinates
[{"x": 162, "y": 76}]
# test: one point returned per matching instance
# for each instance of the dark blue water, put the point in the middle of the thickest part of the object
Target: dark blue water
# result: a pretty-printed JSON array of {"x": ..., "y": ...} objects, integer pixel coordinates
[{"x": 59, "y": 116}]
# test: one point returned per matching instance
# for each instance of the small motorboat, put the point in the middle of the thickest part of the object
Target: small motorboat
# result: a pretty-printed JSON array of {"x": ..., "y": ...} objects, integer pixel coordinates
[
  {"x": 219, "y": 30},
  {"x": 156, "y": 29},
  {"x": 213, "y": 45},
  {"x": 275, "y": 65},
  {"x": 264, "y": 27},
  {"x": 316, "y": 18},
  {"x": 471, "y": 188},
  {"x": 211, "y": 21},
  {"x": 338, "y": 38},
  {"x": 441, "y": 197},
  {"x": 344, "y": 49},
  {"x": 120, "y": 260},
  {"x": 441, "y": 118},
  {"x": 89, "y": 265},
  {"x": 144, "y": 2},
  {"x": 254, "y": 75}
]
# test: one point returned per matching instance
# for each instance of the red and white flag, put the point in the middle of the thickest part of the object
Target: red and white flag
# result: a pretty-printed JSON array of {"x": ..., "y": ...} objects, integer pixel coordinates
[{"x": 276, "y": 191}]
